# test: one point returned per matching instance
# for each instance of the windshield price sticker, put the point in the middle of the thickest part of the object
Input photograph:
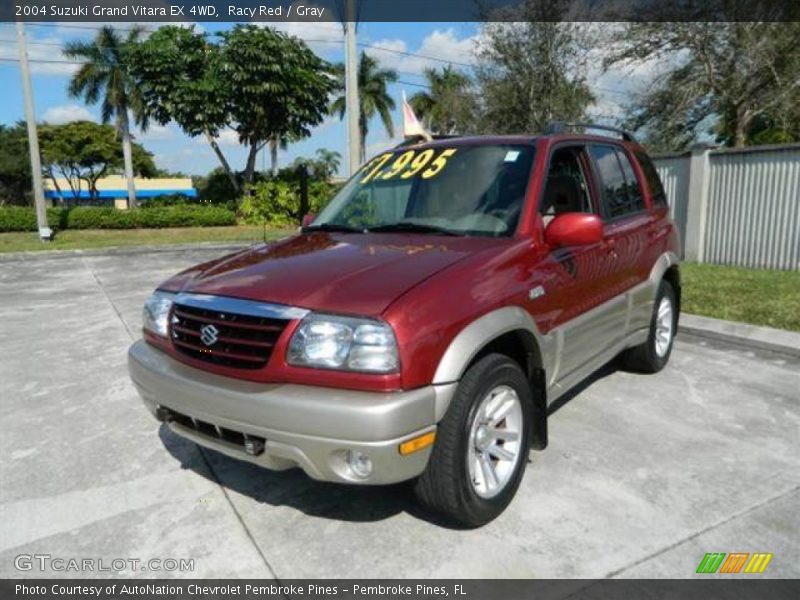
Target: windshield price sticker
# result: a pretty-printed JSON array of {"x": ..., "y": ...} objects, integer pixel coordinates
[{"x": 407, "y": 164}]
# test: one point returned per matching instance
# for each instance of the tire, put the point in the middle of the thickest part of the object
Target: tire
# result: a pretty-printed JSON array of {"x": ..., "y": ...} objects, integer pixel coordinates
[
  {"x": 653, "y": 355},
  {"x": 447, "y": 487}
]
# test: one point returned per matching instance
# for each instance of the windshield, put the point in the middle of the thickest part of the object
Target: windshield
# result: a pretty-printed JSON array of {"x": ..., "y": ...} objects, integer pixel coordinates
[{"x": 462, "y": 190}]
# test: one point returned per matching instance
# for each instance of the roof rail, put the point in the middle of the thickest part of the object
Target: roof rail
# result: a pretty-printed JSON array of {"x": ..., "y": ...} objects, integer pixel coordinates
[{"x": 564, "y": 126}]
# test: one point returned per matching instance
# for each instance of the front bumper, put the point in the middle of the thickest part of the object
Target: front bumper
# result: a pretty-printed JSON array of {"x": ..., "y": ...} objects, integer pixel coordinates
[{"x": 305, "y": 426}]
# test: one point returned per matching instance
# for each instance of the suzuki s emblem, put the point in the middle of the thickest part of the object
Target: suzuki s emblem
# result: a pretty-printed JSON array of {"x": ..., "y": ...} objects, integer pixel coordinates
[{"x": 209, "y": 335}]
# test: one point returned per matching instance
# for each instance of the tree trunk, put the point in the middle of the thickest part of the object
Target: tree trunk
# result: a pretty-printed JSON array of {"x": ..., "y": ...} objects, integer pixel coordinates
[
  {"x": 57, "y": 187},
  {"x": 250, "y": 169},
  {"x": 273, "y": 157},
  {"x": 362, "y": 147},
  {"x": 743, "y": 118},
  {"x": 214, "y": 146},
  {"x": 127, "y": 154}
]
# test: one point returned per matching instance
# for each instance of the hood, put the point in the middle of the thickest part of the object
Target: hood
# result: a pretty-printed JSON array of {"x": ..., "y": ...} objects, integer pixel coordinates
[{"x": 358, "y": 274}]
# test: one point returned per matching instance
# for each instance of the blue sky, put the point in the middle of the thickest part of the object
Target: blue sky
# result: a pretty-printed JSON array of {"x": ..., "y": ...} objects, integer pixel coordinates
[{"x": 175, "y": 151}]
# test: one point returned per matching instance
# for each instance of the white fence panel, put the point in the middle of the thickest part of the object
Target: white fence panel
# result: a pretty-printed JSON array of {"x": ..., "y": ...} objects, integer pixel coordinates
[
  {"x": 752, "y": 204},
  {"x": 674, "y": 173},
  {"x": 754, "y": 208}
]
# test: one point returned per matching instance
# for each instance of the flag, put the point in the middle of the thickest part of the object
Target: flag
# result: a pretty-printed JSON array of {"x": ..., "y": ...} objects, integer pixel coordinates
[{"x": 411, "y": 125}]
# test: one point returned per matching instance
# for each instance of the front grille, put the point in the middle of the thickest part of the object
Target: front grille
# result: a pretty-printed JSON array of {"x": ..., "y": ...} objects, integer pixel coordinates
[{"x": 235, "y": 340}]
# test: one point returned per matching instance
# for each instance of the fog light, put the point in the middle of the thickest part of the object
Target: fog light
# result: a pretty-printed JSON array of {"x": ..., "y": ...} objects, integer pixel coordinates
[{"x": 360, "y": 464}]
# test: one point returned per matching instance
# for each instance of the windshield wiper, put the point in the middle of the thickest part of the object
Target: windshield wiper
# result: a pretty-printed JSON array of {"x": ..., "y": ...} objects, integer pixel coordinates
[
  {"x": 333, "y": 227},
  {"x": 404, "y": 226}
]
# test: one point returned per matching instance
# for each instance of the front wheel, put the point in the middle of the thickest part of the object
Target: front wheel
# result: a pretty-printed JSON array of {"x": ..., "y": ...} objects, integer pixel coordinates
[
  {"x": 481, "y": 445},
  {"x": 653, "y": 355}
]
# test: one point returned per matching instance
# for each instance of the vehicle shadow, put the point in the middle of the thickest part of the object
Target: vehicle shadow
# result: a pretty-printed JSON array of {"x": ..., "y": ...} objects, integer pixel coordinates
[
  {"x": 601, "y": 373},
  {"x": 295, "y": 489}
]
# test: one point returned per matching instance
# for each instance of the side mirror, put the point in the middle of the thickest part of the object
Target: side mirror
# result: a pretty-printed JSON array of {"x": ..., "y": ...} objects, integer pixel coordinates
[
  {"x": 574, "y": 229},
  {"x": 308, "y": 218}
]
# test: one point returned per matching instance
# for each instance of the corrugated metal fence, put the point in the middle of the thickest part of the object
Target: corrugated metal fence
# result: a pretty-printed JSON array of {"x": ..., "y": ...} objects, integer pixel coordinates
[{"x": 747, "y": 202}]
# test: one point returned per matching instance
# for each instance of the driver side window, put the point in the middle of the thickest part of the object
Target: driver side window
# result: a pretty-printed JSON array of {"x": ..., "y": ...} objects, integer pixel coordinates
[{"x": 566, "y": 187}]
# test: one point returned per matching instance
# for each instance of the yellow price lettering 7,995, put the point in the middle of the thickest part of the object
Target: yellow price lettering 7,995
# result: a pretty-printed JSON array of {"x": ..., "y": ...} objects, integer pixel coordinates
[{"x": 407, "y": 165}]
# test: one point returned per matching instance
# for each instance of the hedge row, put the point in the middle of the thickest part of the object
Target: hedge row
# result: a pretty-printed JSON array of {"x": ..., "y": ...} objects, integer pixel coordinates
[{"x": 16, "y": 218}]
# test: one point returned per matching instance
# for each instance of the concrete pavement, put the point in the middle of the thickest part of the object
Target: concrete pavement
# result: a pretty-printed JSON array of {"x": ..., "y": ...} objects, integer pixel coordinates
[{"x": 643, "y": 475}]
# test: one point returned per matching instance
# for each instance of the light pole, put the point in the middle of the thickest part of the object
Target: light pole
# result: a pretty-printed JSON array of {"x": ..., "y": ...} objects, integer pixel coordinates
[
  {"x": 45, "y": 233},
  {"x": 351, "y": 89}
]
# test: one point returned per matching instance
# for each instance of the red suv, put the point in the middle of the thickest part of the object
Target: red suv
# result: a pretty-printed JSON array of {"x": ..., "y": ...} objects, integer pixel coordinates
[{"x": 421, "y": 324}]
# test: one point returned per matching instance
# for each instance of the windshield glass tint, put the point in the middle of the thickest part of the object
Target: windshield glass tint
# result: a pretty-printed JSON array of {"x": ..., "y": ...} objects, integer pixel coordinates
[{"x": 470, "y": 190}]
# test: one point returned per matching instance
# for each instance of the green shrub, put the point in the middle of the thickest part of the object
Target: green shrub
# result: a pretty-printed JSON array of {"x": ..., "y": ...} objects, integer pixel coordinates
[
  {"x": 23, "y": 218},
  {"x": 166, "y": 200},
  {"x": 273, "y": 202},
  {"x": 150, "y": 218},
  {"x": 14, "y": 218},
  {"x": 277, "y": 202},
  {"x": 91, "y": 217},
  {"x": 216, "y": 188}
]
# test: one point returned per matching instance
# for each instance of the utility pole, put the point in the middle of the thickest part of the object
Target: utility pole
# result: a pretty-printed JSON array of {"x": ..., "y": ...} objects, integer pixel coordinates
[
  {"x": 45, "y": 233},
  {"x": 351, "y": 89}
]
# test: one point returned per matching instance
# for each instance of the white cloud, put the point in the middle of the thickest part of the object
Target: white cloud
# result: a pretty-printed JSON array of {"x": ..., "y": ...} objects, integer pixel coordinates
[
  {"x": 45, "y": 52},
  {"x": 156, "y": 133},
  {"x": 617, "y": 86},
  {"x": 226, "y": 137},
  {"x": 386, "y": 51},
  {"x": 441, "y": 45},
  {"x": 58, "y": 115},
  {"x": 40, "y": 49},
  {"x": 436, "y": 49}
]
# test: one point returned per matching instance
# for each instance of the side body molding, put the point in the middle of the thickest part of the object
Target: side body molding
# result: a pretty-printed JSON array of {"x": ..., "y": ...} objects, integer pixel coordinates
[{"x": 466, "y": 345}]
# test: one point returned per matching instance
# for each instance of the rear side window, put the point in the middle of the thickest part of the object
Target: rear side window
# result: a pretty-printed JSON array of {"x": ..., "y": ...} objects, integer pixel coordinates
[
  {"x": 653, "y": 180},
  {"x": 621, "y": 193}
]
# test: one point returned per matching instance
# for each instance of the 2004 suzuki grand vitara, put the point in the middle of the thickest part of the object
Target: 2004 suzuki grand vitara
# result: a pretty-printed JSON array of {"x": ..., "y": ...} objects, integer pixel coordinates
[{"x": 421, "y": 324}]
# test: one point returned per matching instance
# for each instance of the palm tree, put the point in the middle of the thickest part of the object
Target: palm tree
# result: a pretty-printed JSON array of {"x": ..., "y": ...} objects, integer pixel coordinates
[
  {"x": 373, "y": 97},
  {"x": 274, "y": 143},
  {"x": 104, "y": 77},
  {"x": 329, "y": 161},
  {"x": 448, "y": 106}
]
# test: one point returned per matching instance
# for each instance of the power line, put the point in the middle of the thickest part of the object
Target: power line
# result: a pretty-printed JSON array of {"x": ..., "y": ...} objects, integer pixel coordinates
[
  {"x": 404, "y": 53},
  {"x": 422, "y": 85},
  {"x": 59, "y": 44},
  {"x": 87, "y": 27},
  {"x": 308, "y": 40},
  {"x": 80, "y": 62},
  {"x": 411, "y": 83},
  {"x": 47, "y": 61}
]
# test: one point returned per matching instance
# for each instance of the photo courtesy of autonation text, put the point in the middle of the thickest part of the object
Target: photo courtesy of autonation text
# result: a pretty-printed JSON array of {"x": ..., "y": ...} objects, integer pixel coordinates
[{"x": 378, "y": 299}]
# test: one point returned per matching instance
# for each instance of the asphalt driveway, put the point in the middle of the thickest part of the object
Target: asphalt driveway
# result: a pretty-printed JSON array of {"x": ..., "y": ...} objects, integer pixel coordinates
[{"x": 643, "y": 476}]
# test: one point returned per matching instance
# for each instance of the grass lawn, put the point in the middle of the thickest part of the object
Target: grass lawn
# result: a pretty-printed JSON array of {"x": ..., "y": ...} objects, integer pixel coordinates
[
  {"x": 106, "y": 238},
  {"x": 757, "y": 296}
]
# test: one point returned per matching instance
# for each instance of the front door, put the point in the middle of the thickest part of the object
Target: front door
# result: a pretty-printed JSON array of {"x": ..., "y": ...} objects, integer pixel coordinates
[{"x": 578, "y": 304}]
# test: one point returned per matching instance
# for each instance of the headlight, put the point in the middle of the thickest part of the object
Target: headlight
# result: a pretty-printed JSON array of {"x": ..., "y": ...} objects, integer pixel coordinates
[
  {"x": 347, "y": 343},
  {"x": 156, "y": 312}
]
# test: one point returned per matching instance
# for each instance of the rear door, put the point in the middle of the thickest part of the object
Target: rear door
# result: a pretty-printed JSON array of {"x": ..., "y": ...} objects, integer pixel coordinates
[{"x": 626, "y": 221}]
